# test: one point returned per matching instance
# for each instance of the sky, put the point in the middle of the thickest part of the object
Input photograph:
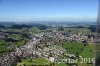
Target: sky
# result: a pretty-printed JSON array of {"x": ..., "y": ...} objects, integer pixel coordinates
[{"x": 48, "y": 10}]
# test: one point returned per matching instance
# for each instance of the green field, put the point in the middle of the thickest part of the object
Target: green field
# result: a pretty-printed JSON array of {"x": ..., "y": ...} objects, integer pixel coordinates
[
  {"x": 38, "y": 62},
  {"x": 33, "y": 61},
  {"x": 79, "y": 49},
  {"x": 73, "y": 47},
  {"x": 77, "y": 30},
  {"x": 4, "y": 48},
  {"x": 61, "y": 64}
]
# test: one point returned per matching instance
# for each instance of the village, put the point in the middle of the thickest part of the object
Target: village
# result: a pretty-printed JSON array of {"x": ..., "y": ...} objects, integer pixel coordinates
[{"x": 47, "y": 45}]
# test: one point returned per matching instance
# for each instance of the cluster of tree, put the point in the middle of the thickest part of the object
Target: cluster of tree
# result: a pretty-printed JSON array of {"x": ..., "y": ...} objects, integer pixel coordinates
[
  {"x": 80, "y": 26},
  {"x": 1, "y": 26},
  {"x": 40, "y": 26},
  {"x": 93, "y": 28},
  {"x": 60, "y": 28},
  {"x": 10, "y": 40},
  {"x": 20, "y": 26}
]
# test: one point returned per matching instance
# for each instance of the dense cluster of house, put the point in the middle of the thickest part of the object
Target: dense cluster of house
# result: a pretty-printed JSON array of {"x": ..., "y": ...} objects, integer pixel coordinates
[{"x": 6, "y": 59}]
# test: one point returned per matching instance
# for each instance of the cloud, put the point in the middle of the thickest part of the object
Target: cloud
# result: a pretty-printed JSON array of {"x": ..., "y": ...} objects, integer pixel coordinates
[
  {"x": 82, "y": 17},
  {"x": 24, "y": 18}
]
